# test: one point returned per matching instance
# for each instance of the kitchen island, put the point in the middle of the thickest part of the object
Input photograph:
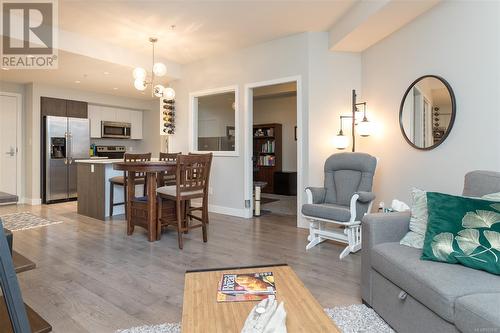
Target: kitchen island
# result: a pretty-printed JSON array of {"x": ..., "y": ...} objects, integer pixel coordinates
[{"x": 93, "y": 188}]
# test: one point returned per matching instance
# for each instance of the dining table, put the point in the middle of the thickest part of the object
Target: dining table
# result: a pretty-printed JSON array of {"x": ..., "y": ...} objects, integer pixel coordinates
[{"x": 141, "y": 211}]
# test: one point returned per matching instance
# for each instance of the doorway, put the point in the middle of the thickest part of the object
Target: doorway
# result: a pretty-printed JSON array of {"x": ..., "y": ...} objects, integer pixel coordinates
[
  {"x": 274, "y": 145},
  {"x": 10, "y": 142}
]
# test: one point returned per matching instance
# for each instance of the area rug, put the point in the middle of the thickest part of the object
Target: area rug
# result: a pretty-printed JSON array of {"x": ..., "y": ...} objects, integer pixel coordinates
[
  {"x": 24, "y": 220},
  {"x": 356, "y": 318}
]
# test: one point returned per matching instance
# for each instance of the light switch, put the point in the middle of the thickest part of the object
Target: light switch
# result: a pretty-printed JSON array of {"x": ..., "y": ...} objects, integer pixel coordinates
[{"x": 92, "y": 168}]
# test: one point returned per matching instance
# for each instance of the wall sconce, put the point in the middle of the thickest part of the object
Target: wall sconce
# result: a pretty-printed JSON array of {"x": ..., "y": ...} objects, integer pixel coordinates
[{"x": 364, "y": 127}]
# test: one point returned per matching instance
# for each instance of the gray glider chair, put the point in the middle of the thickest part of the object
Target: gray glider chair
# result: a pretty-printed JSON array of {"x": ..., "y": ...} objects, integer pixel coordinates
[{"x": 344, "y": 199}]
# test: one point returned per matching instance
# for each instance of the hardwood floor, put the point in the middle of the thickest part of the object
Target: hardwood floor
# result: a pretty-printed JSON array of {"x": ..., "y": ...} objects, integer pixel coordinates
[{"x": 92, "y": 277}]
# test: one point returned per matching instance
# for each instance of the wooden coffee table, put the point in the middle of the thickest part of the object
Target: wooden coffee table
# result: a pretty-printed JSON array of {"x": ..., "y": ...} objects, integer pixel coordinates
[{"x": 202, "y": 313}]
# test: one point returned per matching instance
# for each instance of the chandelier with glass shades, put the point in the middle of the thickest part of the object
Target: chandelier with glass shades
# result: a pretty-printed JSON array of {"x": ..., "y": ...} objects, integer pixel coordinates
[{"x": 142, "y": 81}]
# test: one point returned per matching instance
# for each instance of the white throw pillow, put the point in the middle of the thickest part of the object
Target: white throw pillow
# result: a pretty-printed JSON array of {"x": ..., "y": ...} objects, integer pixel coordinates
[
  {"x": 419, "y": 215},
  {"x": 492, "y": 196},
  {"x": 418, "y": 220}
]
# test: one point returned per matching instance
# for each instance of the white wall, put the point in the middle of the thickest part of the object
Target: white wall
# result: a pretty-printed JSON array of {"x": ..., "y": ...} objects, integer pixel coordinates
[
  {"x": 332, "y": 76},
  {"x": 458, "y": 40},
  {"x": 277, "y": 59},
  {"x": 280, "y": 110},
  {"x": 32, "y": 125}
]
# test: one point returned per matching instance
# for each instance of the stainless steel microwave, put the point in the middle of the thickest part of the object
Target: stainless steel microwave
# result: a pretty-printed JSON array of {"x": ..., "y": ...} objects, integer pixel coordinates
[{"x": 115, "y": 130}]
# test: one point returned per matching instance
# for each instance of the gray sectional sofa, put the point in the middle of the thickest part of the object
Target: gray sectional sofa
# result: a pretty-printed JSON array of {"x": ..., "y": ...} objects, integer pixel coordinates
[{"x": 418, "y": 296}]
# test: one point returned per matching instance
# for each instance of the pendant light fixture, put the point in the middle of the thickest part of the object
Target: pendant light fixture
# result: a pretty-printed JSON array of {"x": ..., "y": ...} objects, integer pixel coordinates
[{"x": 158, "y": 70}]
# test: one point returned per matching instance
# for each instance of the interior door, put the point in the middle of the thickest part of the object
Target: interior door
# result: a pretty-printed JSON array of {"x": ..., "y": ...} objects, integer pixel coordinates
[
  {"x": 78, "y": 143},
  {"x": 8, "y": 144}
]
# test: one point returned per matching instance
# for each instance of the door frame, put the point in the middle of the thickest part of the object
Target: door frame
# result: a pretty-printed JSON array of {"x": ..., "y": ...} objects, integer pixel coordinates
[
  {"x": 248, "y": 140},
  {"x": 19, "y": 146}
]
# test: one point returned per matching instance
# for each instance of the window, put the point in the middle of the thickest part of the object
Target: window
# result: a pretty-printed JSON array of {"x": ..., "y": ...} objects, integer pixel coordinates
[{"x": 214, "y": 121}]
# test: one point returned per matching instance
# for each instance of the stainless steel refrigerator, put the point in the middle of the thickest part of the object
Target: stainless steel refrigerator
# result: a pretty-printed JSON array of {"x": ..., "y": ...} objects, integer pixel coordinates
[{"x": 66, "y": 140}]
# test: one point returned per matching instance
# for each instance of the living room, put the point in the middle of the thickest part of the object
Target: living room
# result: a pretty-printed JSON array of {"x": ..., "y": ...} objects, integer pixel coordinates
[{"x": 351, "y": 61}]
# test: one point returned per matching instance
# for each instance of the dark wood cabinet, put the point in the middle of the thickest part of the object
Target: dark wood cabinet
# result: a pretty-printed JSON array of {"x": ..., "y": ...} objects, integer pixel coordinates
[
  {"x": 63, "y": 108},
  {"x": 53, "y": 107},
  {"x": 267, "y": 153},
  {"x": 77, "y": 109}
]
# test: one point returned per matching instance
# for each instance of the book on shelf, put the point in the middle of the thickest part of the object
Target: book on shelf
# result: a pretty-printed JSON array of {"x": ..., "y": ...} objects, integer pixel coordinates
[
  {"x": 268, "y": 147},
  {"x": 245, "y": 287},
  {"x": 267, "y": 160}
]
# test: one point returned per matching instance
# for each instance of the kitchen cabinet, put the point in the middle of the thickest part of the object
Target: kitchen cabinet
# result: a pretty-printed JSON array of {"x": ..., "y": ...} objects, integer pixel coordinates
[
  {"x": 98, "y": 114},
  {"x": 76, "y": 109},
  {"x": 63, "y": 108}
]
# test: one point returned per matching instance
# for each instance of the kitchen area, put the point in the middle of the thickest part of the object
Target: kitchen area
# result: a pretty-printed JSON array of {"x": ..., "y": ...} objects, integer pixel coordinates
[{"x": 80, "y": 142}]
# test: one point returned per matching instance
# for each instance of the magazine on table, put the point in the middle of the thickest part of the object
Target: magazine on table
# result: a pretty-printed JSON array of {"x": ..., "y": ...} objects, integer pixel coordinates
[{"x": 245, "y": 287}]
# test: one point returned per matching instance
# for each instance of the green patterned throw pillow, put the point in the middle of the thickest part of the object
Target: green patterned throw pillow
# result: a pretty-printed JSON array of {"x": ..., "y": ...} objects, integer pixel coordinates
[{"x": 463, "y": 230}]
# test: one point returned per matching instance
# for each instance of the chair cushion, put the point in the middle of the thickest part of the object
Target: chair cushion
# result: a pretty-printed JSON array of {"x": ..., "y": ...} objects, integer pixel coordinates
[
  {"x": 478, "y": 313},
  {"x": 434, "y": 284},
  {"x": 327, "y": 211},
  {"x": 171, "y": 190},
  {"x": 121, "y": 180}
]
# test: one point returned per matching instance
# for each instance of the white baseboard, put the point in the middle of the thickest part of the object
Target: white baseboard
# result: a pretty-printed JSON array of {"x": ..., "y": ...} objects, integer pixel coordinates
[
  {"x": 32, "y": 202},
  {"x": 228, "y": 211},
  {"x": 238, "y": 212}
]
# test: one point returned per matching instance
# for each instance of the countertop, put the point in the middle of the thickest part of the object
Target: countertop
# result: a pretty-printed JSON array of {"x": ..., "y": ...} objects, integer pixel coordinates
[{"x": 100, "y": 160}]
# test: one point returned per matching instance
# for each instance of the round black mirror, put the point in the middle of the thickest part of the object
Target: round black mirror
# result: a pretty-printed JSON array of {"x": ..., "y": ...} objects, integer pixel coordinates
[{"x": 427, "y": 112}]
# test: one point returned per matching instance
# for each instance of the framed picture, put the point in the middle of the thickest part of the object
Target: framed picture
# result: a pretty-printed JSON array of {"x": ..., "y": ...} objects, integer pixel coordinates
[{"x": 295, "y": 133}]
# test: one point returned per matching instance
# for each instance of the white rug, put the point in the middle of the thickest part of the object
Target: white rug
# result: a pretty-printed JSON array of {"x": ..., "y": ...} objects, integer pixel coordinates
[
  {"x": 356, "y": 318},
  {"x": 24, "y": 220}
]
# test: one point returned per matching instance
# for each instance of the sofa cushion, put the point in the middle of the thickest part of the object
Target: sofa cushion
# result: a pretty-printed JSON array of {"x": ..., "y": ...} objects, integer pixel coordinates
[
  {"x": 436, "y": 285},
  {"x": 463, "y": 230},
  {"x": 327, "y": 211},
  {"x": 478, "y": 313}
]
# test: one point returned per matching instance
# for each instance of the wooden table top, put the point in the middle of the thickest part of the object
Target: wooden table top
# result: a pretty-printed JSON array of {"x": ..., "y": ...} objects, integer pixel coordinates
[
  {"x": 144, "y": 166},
  {"x": 202, "y": 313}
]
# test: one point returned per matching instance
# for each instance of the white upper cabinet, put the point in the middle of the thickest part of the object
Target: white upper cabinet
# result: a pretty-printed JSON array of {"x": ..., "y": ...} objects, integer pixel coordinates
[
  {"x": 95, "y": 116},
  {"x": 136, "y": 124},
  {"x": 98, "y": 114}
]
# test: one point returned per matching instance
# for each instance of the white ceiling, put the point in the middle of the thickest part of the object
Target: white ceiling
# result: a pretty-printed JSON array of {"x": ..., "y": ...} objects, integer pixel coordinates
[
  {"x": 202, "y": 28},
  {"x": 92, "y": 74},
  {"x": 112, "y": 36}
]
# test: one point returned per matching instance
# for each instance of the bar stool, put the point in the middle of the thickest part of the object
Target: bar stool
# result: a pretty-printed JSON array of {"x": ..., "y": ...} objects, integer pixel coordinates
[
  {"x": 192, "y": 176},
  {"x": 169, "y": 157},
  {"x": 122, "y": 180}
]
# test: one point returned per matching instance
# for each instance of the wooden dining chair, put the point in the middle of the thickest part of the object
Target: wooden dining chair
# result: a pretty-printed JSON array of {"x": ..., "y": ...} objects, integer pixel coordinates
[
  {"x": 122, "y": 180},
  {"x": 189, "y": 208},
  {"x": 168, "y": 179},
  {"x": 192, "y": 176}
]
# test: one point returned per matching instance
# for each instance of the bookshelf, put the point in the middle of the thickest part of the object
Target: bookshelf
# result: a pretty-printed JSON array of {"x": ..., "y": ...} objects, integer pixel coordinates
[{"x": 267, "y": 153}]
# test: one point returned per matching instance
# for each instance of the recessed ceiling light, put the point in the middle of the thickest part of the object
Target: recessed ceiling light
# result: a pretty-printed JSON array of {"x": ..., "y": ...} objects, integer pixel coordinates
[
  {"x": 77, "y": 81},
  {"x": 106, "y": 73},
  {"x": 115, "y": 88}
]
